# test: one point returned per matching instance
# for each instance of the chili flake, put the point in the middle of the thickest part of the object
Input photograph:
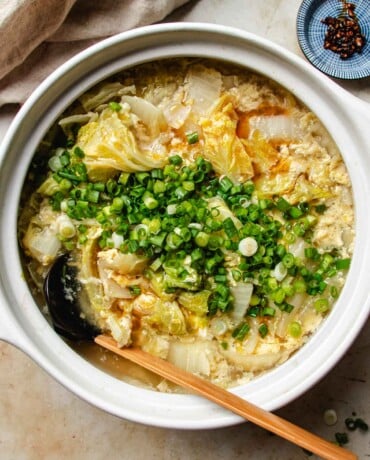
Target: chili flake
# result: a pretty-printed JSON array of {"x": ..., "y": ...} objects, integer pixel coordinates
[{"x": 343, "y": 35}]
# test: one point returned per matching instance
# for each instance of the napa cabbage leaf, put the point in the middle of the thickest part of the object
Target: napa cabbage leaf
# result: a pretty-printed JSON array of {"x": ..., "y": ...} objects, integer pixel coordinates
[
  {"x": 222, "y": 146},
  {"x": 109, "y": 145}
]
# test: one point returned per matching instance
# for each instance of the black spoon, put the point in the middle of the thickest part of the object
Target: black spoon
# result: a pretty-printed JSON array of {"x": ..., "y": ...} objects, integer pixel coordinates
[{"x": 61, "y": 294}]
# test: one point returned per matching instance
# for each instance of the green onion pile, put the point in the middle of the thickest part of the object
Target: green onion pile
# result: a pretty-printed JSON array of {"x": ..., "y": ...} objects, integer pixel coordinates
[{"x": 166, "y": 216}]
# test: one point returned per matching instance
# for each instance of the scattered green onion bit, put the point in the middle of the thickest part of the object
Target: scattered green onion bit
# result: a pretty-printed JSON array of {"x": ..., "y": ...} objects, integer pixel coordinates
[
  {"x": 341, "y": 438},
  {"x": 353, "y": 424},
  {"x": 330, "y": 417}
]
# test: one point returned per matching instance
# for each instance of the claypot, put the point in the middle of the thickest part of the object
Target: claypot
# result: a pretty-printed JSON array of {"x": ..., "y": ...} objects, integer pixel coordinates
[{"x": 22, "y": 323}]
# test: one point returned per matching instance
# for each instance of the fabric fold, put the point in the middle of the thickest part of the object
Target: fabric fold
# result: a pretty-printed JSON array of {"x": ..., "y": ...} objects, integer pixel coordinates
[
  {"x": 37, "y": 36},
  {"x": 24, "y": 25}
]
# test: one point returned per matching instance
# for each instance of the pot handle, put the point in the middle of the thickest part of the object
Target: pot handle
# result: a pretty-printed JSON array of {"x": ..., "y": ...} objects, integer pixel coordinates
[
  {"x": 8, "y": 328},
  {"x": 362, "y": 109}
]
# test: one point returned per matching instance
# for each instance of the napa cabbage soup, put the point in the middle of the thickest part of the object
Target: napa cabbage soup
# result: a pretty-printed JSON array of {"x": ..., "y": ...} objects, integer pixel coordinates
[{"x": 207, "y": 211}]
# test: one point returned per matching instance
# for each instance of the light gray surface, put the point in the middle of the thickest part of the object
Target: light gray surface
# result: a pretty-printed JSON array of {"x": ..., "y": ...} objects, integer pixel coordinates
[{"x": 40, "y": 419}]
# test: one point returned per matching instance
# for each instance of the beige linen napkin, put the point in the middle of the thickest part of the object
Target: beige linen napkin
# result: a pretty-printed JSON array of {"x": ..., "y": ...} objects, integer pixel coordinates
[{"x": 37, "y": 36}]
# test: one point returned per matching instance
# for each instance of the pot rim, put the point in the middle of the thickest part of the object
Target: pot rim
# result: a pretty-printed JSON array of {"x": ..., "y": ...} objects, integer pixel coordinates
[{"x": 29, "y": 330}]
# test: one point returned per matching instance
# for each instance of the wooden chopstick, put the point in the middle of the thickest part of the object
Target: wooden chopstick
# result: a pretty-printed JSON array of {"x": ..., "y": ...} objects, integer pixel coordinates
[{"x": 228, "y": 400}]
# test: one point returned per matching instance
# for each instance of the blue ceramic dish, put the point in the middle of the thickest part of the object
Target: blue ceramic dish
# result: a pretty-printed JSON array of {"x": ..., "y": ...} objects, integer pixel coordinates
[{"x": 311, "y": 35}]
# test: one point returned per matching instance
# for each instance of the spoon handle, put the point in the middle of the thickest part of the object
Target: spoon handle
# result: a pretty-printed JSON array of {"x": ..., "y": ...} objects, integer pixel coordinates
[{"x": 228, "y": 400}]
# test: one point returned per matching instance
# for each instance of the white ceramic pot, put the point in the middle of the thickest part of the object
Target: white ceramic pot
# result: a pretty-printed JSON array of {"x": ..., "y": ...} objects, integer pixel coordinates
[{"x": 22, "y": 323}]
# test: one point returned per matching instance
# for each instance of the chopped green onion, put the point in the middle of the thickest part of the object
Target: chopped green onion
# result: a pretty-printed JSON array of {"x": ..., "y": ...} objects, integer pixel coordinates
[
  {"x": 334, "y": 292},
  {"x": 214, "y": 242},
  {"x": 229, "y": 227},
  {"x": 158, "y": 240},
  {"x": 132, "y": 246},
  {"x": 299, "y": 286},
  {"x": 240, "y": 332},
  {"x": 295, "y": 212},
  {"x": 326, "y": 261},
  {"x": 236, "y": 274},
  {"x": 357, "y": 423},
  {"x": 210, "y": 265},
  {"x": 248, "y": 246},
  {"x": 192, "y": 138},
  {"x": 171, "y": 209},
  {"x": 55, "y": 164},
  {"x": 320, "y": 208},
  {"x": 197, "y": 254},
  {"x": 290, "y": 238},
  {"x": 65, "y": 185},
  {"x": 117, "y": 204},
  {"x": 268, "y": 311},
  {"x": 202, "y": 239},
  {"x": 159, "y": 187},
  {"x": 82, "y": 239},
  {"x": 341, "y": 438},
  {"x": 220, "y": 278},
  {"x": 321, "y": 305},
  {"x": 295, "y": 329},
  {"x": 154, "y": 225},
  {"x": 78, "y": 152},
  {"x": 330, "y": 417},
  {"x": 115, "y": 106},
  {"x": 255, "y": 300},
  {"x": 173, "y": 240},
  {"x": 263, "y": 330},
  {"x": 175, "y": 160},
  {"x": 278, "y": 296},
  {"x": 342, "y": 264},
  {"x": 286, "y": 307},
  {"x": 188, "y": 186},
  {"x": 93, "y": 196},
  {"x": 135, "y": 290},
  {"x": 283, "y": 205},
  {"x": 288, "y": 260},
  {"x": 149, "y": 201},
  {"x": 99, "y": 186},
  {"x": 65, "y": 158},
  {"x": 156, "y": 264},
  {"x": 180, "y": 193},
  {"x": 226, "y": 184},
  {"x": 253, "y": 312},
  {"x": 312, "y": 253},
  {"x": 123, "y": 178},
  {"x": 361, "y": 424}
]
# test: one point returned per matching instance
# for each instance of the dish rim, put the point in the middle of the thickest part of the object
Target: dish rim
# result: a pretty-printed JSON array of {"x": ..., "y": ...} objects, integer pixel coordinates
[{"x": 331, "y": 65}]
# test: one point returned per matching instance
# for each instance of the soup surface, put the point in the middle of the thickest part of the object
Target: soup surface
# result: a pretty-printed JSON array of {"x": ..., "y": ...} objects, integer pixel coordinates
[{"x": 207, "y": 212}]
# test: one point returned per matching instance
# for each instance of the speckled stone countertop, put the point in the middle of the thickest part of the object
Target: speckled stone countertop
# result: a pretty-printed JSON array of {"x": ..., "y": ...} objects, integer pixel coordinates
[{"x": 39, "y": 419}]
